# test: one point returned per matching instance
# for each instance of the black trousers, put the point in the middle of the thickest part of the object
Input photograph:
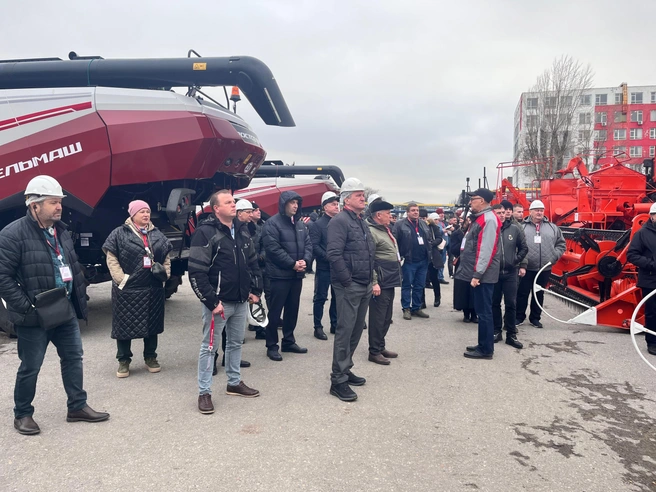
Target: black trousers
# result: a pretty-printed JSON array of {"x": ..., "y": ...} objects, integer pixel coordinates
[
  {"x": 285, "y": 294},
  {"x": 124, "y": 351},
  {"x": 380, "y": 316},
  {"x": 525, "y": 290},
  {"x": 450, "y": 264},
  {"x": 650, "y": 316},
  {"x": 506, "y": 287},
  {"x": 435, "y": 281}
]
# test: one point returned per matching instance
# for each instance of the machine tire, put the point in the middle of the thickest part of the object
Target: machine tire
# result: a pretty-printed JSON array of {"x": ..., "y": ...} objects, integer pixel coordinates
[
  {"x": 172, "y": 284},
  {"x": 6, "y": 325}
]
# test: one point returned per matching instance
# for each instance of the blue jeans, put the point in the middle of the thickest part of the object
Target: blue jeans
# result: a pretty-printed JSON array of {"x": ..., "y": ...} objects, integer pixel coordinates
[
  {"x": 235, "y": 325},
  {"x": 32, "y": 345},
  {"x": 483, "y": 306},
  {"x": 321, "y": 286},
  {"x": 414, "y": 282},
  {"x": 440, "y": 271}
]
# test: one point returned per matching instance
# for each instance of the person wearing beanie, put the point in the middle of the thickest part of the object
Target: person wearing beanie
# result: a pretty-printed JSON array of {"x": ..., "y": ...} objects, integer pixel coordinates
[
  {"x": 132, "y": 250},
  {"x": 442, "y": 225}
]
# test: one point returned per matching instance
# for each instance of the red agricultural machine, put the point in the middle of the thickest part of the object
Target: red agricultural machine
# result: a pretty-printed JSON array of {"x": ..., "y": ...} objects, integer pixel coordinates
[{"x": 598, "y": 213}]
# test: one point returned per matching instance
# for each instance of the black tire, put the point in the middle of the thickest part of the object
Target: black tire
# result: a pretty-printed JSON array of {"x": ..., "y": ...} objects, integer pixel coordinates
[
  {"x": 6, "y": 325},
  {"x": 172, "y": 284}
]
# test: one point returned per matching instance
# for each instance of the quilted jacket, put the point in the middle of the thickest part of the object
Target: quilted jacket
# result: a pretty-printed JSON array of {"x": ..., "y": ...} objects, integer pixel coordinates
[
  {"x": 26, "y": 269},
  {"x": 138, "y": 303},
  {"x": 480, "y": 256},
  {"x": 350, "y": 249}
]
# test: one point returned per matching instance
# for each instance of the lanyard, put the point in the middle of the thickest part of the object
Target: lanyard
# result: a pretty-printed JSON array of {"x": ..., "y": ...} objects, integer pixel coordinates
[
  {"x": 145, "y": 240},
  {"x": 55, "y": 248},
  {"x": 390, "y": 235},
  {"x": 537, "y": 229},
  {"x": 415, "y": 226}
]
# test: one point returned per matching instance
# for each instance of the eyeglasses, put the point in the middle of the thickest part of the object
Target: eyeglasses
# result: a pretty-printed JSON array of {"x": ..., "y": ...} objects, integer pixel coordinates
[{"x": 475, "y": 198}]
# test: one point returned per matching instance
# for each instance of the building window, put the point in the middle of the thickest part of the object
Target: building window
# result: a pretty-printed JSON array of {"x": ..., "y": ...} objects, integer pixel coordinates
[
  {"x": 618, "y": 98},
  {"x": 619, "y": 134},
  {"x": 600, "y": 135},
  {"x": 619, "y": 150},
  {"x": 652, "y": 115},
  {"x": 652, "y": 133},
  {"x": 603, "y": 117},
  {"x": 635, "y": 134},
  {"x": 532, "y": 120},
  {"x": 551, "y": 101},
  {"x": 619, "y": 117},
  {"x": 585, "y": 118},
  {"x": 532, "y": 103},
  {"x": 586, "y": 99},
  {"x": 600, "y": 151},
  {"x": 584, "y": 135},
  {"x": 636, "y": 98},
  {"x": 653, "y": 97},
  {"x": 636, "y": 116},
  {"x": 652, "y": 151},
  {"x": 601, "y": 99},
  {"x": 635, "y": 151}
]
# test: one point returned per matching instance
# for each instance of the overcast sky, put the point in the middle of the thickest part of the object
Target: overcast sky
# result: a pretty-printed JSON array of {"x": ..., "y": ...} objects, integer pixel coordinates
[{"x": 409, "y": 96}]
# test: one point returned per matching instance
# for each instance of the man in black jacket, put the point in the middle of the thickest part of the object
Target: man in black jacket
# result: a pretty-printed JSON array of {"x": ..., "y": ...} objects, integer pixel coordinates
[
  {"x": 412, "y": 236},
  {"x": 319, "y": 237},
  {"x": 224, "y": 275},
  {"x": 37, "y": 255},
  {"x": 351, "y": 255},
  {"x": 288, "y": 253},
  {"x": 641, "y": 253},
  {"x": 513, "y": 251}
]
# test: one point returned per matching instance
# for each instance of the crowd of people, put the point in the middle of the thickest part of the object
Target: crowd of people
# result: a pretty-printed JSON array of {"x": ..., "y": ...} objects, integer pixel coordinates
[{"x": 363, "y": 253}]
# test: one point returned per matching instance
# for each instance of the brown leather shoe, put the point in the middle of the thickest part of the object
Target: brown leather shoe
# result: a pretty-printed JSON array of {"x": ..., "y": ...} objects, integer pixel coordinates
[
  {"x": 379, "y": 359},
  {"x": 87, "y": 414},
  {"x": 26, "y": 426},
  {"x": 389, "y": 354},
  {"x": 242, "y": 390},
  {"x": 205, "y": 404}
]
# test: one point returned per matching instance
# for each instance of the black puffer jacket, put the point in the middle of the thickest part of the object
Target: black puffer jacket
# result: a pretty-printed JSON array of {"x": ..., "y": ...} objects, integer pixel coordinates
[
  {"x": 350, "y": 249},
  {"x": 25, "y": 259},
  {"x": 406, "y": 235},
  {"x": 286, "y": 242},
  {"x": 215, "y": 255},
  {"x": 513, "y": 245},
  {"x": 642, "y": 253},
  {"x": 319, "y": 237},
  {"x": 137, "y": 307}
]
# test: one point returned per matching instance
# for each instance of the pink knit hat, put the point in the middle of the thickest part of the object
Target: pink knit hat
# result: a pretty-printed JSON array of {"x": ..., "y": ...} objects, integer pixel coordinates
[{"x": 137, "y": 205}]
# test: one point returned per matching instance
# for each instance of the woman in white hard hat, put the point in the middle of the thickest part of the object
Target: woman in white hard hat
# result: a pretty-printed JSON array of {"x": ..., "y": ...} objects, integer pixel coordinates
[{"x": 138, "y": 261}]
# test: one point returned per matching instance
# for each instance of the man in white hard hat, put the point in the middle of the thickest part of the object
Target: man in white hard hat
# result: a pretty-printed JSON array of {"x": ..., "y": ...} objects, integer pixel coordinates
[
  {"x": 37, "y": 257},
  {"x": 319, "y": 237},
  {"x": 545, "y": 244},
  {"x": 350, "y": 252},
  {"x": 641, "y": 253},
  {"x": 244, "y": 211}
]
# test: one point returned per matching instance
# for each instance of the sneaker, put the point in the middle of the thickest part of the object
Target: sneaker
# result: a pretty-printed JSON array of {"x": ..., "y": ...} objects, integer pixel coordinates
[
  {"x": 343, "y": 391},
  {"x": 123, "y": 369},
  {"x": 419, "y": 314},
  {"x": 152, "y": 364},
  {"x": 498, "y": 337},
  {"x": 406, "y": 314},
  {"x": 537, "y": 324},
  {"x": 242, "y": 390},
  {"x": 519, "y": 323},
  {"x": 513, "y": 342},
  {"x": 205, "y": 404}
]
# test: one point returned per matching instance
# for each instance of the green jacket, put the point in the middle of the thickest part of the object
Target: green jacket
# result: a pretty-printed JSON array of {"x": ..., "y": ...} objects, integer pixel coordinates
[{"x": 387, "y": 266}]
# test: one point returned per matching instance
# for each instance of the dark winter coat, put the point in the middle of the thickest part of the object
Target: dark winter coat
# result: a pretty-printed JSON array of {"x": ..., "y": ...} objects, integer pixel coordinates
[
  {"x": 319, "y": 237},
  {"x": 456, "y": 241},
  {"x": 481, "y": 256},
  {"x": 435, "y": 238},
  {"x": 642, "y": 253},
  {"x": 27, "y": 269},
  {"x": 286, "y": 242},
  {"x": 406, "y": 236},
  {"x": 138, "y": 303},
  {"x": 215, "y": 256},
  {"x": 350, "y": 249},
  {"x": 513, "y": 245}
]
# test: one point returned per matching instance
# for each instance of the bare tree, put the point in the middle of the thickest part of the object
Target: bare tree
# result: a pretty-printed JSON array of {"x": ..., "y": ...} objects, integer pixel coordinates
[
  {"x": 553, "y": 108},
  {"x": 369, "y": 191}
]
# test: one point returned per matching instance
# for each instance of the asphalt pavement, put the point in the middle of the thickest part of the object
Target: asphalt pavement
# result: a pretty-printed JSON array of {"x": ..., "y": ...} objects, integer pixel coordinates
[{"x": 573, "y": 411}]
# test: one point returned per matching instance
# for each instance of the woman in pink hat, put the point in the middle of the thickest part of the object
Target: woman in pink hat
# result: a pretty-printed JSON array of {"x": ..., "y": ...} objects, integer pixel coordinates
[{"x": 136, "y": 253}]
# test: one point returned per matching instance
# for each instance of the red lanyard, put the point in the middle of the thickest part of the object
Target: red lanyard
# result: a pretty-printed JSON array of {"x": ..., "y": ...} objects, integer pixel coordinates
[
  {"x": 415, "y": 226},
  {"x": 55, "y": 248},
  {"x": 145, "y": 240},
  {"x": 537, "y": 229},
  {"x": 390, "y": 235}
]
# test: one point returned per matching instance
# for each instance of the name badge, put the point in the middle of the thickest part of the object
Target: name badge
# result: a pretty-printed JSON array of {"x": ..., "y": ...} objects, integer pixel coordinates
[
  {"x": 537, "y": 239},
  {"x": 146, "y": 262},
  {"x": 420, "y": 240},
  {"x": 462, "y": 244},
  {"x": 65, "y": 272}
]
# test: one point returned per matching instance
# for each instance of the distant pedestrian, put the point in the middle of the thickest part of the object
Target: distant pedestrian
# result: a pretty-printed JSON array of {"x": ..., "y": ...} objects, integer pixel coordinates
[{"x": 463, "y": 296}]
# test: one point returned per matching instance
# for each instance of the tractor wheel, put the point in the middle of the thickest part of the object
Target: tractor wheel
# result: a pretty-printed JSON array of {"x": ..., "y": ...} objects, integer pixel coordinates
[
  {"x": 6, "y": 325},
  {"x": 172, "y": 284}
]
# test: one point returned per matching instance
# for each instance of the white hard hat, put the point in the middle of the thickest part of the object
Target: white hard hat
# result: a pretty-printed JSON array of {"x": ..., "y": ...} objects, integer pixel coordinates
[
  {"x": 536, "y": 204},
  {"x": 41, "y": 187},
  {"x": 257, "y": 315},
  {"x": 244, "y": 205},
  {"x": 351, "y": 184},
  {"x": 372, "y": 198},
  {"x": 652, "y": 209},
  {"x": 327, "y": 197}
]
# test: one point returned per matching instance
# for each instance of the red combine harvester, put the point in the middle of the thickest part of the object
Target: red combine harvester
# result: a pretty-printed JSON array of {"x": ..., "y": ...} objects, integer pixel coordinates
[
  {"x": 598, "y": 213},
  {"x": 112, "y": 131}
]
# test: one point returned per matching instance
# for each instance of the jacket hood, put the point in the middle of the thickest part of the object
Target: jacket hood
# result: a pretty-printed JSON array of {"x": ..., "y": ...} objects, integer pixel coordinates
[
  {"x": 528, "y": 220},
  {"x": 128, "y": 222},
  {"x": 287, "y": 196}
]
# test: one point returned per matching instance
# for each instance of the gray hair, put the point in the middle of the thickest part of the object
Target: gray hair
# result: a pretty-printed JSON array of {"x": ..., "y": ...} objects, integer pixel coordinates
[
  {"x": 343, "y": 197},
  {"x": 30, "y": 199}
]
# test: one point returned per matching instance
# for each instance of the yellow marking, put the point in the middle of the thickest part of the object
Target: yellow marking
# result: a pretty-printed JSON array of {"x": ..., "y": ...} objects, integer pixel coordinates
[{"x": 200, "y": 66}]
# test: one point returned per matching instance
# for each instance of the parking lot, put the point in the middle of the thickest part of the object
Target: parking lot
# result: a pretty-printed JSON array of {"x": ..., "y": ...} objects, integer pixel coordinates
[{"x": 574, "y": 410}]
